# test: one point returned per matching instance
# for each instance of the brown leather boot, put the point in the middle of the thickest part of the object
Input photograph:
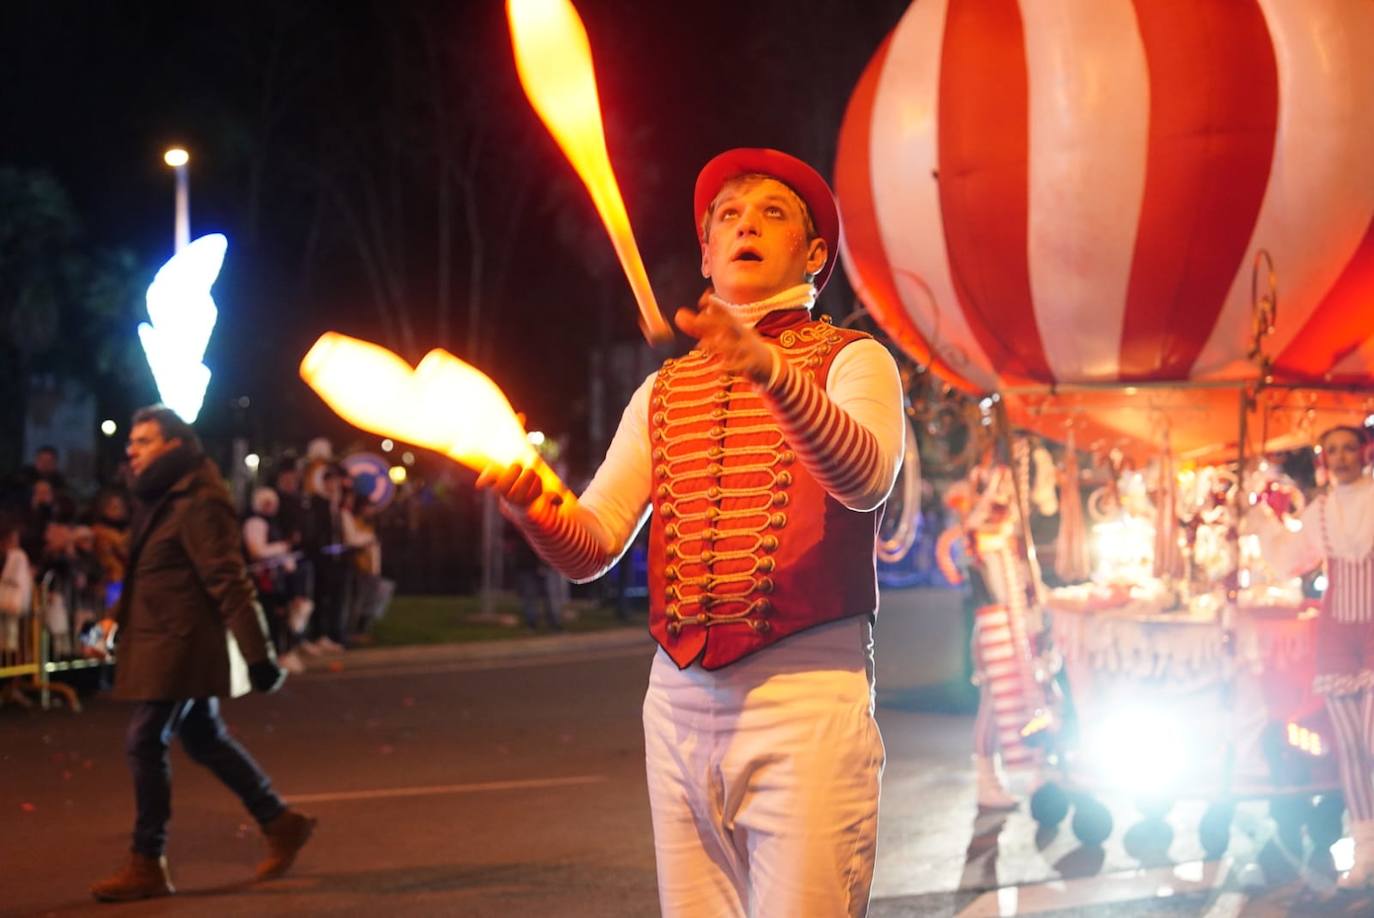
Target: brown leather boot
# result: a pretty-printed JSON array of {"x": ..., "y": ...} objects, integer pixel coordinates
[
  {"x": 286, "y": 836},
  {"x": 142, "y": 878}
]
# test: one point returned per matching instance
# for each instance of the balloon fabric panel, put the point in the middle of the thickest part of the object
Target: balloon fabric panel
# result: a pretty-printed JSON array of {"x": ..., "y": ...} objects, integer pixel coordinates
[
  {"x": 1213, "y": 116},
  {"x": 983, "y": 138}
]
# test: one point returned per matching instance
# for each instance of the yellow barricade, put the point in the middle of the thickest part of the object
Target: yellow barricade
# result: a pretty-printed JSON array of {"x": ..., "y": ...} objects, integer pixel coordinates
[{"x": 26, "y": 663}]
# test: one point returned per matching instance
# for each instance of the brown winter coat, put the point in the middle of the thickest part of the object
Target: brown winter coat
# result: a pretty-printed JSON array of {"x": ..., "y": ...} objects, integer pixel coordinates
[{"x": 186, "y": 584}]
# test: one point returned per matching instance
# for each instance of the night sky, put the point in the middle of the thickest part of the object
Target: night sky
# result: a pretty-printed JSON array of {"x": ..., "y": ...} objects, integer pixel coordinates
[{"x": 370, "y": 153}]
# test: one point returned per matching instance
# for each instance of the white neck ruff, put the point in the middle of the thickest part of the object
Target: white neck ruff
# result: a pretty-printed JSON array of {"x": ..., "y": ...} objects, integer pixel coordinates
[{"x": 801, "y": 296}]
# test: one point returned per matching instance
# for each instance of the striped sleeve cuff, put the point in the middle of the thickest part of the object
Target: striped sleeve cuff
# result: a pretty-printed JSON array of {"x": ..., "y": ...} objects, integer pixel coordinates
[
  {"x": 838, "y": 451},
  {"x": 561, "y": 539}
]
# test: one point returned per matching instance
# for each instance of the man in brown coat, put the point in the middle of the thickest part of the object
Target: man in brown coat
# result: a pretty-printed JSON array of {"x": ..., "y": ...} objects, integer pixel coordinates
[{"x": 185, "y": 585}]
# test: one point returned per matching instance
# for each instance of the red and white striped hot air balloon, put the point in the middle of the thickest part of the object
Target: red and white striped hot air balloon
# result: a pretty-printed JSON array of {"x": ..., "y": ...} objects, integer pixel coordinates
[{"x": 1046, "y": 192}]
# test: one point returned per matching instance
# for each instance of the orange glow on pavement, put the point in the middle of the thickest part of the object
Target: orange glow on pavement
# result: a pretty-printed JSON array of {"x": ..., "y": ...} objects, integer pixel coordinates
[
  {"x": 554, "y": 61},
  {"x": 443, "y": 404}
]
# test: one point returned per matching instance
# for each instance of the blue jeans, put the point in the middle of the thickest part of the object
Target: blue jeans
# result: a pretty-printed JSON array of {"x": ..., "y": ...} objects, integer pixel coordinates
[{"x": 208, "y": 743}]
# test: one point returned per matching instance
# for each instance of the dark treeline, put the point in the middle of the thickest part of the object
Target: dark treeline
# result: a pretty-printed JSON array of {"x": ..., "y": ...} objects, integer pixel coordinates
[{"x": 378, "y": 171}]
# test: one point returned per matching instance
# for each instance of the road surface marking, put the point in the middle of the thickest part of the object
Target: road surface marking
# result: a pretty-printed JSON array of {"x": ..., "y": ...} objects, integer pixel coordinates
[{"x": 441, "y": 790}]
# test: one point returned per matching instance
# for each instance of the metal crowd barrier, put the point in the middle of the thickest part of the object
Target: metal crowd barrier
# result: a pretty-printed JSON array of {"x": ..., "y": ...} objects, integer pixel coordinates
[
  {"x": 21, "y": 654},
  {"x": 26, "y": 658}
]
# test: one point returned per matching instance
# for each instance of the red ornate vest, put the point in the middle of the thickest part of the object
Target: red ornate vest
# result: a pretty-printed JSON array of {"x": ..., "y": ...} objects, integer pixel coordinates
[{"x": 745, "y": 546}]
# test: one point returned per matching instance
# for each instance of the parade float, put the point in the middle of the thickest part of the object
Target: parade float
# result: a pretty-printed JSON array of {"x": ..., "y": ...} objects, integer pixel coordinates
[{"x": 1145, "y": 234}]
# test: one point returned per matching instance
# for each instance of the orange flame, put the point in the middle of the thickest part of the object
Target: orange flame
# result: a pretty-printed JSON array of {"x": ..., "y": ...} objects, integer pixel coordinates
[
  {"x": 554, "y": 61},
  {"x": 443, "y": 404}
]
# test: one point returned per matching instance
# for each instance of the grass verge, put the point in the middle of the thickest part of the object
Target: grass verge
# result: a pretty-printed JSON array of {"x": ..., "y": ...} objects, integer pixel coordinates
[{"x": 450, "y": 619}]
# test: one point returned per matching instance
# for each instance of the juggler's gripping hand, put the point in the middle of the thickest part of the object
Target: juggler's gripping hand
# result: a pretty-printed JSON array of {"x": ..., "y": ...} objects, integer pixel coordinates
[
  {"x": 518, "y": 486},
  {"x": 514, "y": 484}
]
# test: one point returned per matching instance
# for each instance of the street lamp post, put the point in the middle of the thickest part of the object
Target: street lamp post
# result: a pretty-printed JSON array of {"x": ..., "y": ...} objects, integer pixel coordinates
[{"x": 177, "y": 158}]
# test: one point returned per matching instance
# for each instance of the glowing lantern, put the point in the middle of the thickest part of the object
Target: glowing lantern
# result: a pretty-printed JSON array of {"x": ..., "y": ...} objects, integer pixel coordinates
[
  {"x": 1046, "y": 194},
  {"x": 554, "y": 61},
  {"x": 442, "y": 404},
  {"x": 183, "y": 315}
]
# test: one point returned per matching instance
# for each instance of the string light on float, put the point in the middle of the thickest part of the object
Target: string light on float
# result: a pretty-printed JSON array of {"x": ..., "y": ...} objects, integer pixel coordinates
[
  {"x": 1124, "y": 548},
  {"x": 1309, "y": 741}
]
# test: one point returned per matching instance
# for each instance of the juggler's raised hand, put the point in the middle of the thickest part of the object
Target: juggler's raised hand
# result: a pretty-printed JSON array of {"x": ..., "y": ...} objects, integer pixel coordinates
[{"x": 718, "y": 332}]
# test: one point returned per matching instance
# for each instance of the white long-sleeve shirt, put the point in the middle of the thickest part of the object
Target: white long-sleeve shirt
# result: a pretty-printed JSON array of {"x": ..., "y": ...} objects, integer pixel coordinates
[
  {"x": 1349, "y": 513},
  {"x": 851, "y": 439}
]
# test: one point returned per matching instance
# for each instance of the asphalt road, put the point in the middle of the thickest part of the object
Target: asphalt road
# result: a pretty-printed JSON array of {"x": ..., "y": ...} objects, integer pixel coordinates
[
  {"x": 464, "y": 787},
  {"x": 466, "y": 781}
]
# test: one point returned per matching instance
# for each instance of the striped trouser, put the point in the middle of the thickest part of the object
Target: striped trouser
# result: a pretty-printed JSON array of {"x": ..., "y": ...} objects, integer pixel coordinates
[
  {"x": 1005, "y": 702},
  {"x": 1345, "y": 677},
  {"x": 1352, "y": 719},
  {"x": 1001, "y": 655}
]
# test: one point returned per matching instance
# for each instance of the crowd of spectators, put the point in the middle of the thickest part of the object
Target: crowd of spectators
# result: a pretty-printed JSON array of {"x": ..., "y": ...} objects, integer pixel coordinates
[
  {"x": 67, "y": 556},
  {"x": 309, "y": 539},
  {"x": 312, "y": 546}
]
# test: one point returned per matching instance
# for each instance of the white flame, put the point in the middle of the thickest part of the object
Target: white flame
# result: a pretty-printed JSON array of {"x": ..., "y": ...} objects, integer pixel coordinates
[{"x": 183, "y": 315}]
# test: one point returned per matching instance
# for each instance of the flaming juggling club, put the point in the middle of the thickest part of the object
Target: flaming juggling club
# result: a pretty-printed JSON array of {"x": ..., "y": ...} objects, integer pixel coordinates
[
  {"x": 442, "y": 404},
  {"x": 554, "y": 61}
]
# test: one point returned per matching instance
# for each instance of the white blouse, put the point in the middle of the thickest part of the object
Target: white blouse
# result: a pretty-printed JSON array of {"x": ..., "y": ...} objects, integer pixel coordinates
[{"x": 1349, "y": 524}]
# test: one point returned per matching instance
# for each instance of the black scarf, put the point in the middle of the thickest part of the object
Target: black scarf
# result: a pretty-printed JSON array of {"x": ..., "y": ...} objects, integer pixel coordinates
[{"x": 157, "y": 479}]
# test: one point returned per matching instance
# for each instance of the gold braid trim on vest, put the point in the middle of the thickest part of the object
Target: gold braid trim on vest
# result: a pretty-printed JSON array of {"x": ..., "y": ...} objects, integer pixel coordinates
[{"x": 723, "y": 476}]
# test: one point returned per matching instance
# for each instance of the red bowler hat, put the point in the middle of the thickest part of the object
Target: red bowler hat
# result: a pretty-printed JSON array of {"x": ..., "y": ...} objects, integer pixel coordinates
[{"x": 789, "y": 170}]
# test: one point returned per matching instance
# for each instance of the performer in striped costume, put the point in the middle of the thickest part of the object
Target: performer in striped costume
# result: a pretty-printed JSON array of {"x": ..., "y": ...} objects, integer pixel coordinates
[
  {"x": 1338, "y": 529},
  {"x": 1001, "y": 646},
  {"x": 763, "y": 458}
]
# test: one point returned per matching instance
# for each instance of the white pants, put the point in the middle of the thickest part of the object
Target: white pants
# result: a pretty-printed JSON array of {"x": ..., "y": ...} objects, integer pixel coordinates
[{"x": 763, "y": 779}]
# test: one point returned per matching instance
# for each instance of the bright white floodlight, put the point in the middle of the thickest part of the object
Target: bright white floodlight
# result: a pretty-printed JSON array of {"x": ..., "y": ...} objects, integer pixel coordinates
[{"x": 183, "y": 315}]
